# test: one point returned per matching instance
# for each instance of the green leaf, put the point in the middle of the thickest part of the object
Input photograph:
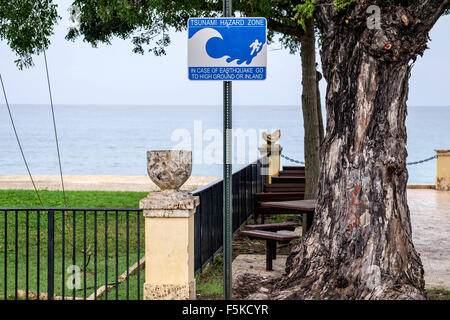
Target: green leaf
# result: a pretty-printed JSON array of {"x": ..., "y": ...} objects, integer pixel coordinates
[{"x": 304, "y": 11}]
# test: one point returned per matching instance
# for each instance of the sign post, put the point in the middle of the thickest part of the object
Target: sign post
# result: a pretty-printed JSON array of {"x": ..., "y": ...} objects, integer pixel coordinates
[
  {"x": 227, "y": 49},
  {"x": 227, "y": 178}
]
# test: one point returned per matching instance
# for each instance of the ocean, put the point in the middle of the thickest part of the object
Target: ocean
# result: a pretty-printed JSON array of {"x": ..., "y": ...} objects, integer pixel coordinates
[{"x": 113, "y": 140}]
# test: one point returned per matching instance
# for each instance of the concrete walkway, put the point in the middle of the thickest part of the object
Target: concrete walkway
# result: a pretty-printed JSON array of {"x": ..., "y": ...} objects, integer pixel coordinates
[
  {"x": 94, "y": 183},
  {"x": 430, "y": 219}
]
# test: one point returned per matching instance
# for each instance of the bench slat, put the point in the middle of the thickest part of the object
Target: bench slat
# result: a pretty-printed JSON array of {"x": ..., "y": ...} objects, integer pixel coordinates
[
  {"x": 269, "y": 235},
  {"x": 273, "y": 226}
]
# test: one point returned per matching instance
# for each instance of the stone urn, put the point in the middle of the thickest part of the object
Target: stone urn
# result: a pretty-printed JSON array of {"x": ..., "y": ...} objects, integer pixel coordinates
[
  {"x": 169, "y": 228},
  {"x": 169, "y": 169}
]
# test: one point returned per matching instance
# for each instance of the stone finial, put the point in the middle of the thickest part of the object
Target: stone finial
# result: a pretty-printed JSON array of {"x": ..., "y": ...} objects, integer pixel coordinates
[
  {"x": 273, "y": 137},
  {"x": 169, "y": 169},
  {"x": 271, "y": 153}
]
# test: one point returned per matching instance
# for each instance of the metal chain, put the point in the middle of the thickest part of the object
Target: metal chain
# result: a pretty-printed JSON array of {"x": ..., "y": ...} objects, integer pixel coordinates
[
  {"x": 408, "y": 164},
  {"x": 292, "y": 160},
  {"x": 422, "y": 161}
]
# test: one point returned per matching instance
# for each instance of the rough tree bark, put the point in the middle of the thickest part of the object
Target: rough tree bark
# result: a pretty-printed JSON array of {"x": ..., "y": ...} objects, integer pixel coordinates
[
  {"x": 310, "y": 110},
  {"x": 360, "y": 244}
]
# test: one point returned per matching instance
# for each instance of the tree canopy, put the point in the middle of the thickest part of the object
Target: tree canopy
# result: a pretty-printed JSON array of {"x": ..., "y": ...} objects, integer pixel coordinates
[
  {"x": 26, "y": 26},
  {"x": 147, "y": 22}
]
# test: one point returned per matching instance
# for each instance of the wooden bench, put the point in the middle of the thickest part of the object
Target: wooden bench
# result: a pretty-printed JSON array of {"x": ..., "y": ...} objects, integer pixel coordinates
[
  {"x": 289, "y": 185},
  {"x": 295, "y": 168},
  {"x": 305, "y": 208},
  {"x": 290, "y": 226},
  {"x": 273, "y": 196},
  {"x": 289, "y": 173},
  {"x": 271, "y": 242},
  {"x": 288, "y": 179}
]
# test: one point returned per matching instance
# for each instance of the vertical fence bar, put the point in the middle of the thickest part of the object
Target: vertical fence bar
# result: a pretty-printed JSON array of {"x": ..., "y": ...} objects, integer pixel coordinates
[
  {"x": 16, "y": 275},
  {"x": 27, "y": 252},
  {"x": 50, "y": 255},
  {"x": 6, "y": 256},
  {"x": 84, "y": 254},
  {"x": 254, "y": 191},
  {"x": 138, "y": 257},
  {"x": 38, "y": 253},
  {"x": 106, "y": 255},
  {"x": 235, "y": 210},
  {"x": 204, "y": 227},
  {"x": 213, "y": 214},
  {"x": 248, "y": 191},
  {"x": 242, "y": 204},
  {"x": 210, "y": 227},
  {"x": 128, "y": 253},
  {"x": 95, "y": 255},
  {"x": 197, "y": 238},
  {"x": 117, "y": 255},
  {"x": 199, "y": 216},
  {"x": 63, "y": 249},
  {"x": 74, "y": 250}
]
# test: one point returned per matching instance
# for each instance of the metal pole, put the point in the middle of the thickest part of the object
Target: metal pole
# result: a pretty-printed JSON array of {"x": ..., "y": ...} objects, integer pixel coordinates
[
  {"x": 50, "y": 255},
  {"x": 227, "y": 177}
]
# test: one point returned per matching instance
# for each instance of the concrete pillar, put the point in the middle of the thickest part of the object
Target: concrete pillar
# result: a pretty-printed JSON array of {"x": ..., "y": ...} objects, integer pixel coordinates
[
  {"x": 169, "y": 228},
  {"x": 273, "y": 152},
  {"x": 443, "y": 170},
  {"x": 169, "y": 245}
]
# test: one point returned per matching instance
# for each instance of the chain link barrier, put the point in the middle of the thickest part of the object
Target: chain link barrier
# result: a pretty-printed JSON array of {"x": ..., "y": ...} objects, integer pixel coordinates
[
  {"x": 291, "y": 160},
  {"x": 421, "y": 161},
  {"x": 408, "y": 164}
]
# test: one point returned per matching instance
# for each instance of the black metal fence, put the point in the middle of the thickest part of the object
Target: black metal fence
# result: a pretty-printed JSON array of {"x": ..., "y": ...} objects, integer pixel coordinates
[
  {"x": 209, "y": 215},
  {"x": 97, "y": 253},
  {"x": 59, "y": 253}
]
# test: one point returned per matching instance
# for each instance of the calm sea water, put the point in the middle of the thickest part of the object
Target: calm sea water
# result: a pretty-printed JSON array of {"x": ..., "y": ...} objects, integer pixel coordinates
[{"x": 113, "y": 140}]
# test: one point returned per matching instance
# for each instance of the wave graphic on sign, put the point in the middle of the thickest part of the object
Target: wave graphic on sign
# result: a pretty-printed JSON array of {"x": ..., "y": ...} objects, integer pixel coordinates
[{"x": 215, "y": 51}]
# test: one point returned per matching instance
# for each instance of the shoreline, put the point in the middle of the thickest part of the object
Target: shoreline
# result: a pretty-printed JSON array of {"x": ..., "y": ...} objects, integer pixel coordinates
[{"x": 94, "y": 182}]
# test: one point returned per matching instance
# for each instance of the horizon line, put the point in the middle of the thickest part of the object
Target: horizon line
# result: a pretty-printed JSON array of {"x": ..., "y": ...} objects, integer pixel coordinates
[{"x": 187, "y": 105}]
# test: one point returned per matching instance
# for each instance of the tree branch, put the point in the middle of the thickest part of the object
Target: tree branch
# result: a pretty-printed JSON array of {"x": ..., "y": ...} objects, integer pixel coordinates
[
  {"x": 429, "y": 11},
  {"x": 283, "y": 28}
]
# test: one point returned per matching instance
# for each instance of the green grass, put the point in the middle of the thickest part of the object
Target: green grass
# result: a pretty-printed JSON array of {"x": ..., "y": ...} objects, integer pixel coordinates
[
  {"x": 210, "y": 282},
  {"x": 93, "y": 199},
  {"x": 87, "y": 199},
  {"x": 438, "y": 294}
]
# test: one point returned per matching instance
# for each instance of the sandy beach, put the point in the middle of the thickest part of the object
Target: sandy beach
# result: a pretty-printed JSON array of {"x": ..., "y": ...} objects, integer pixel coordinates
[{"x": 94, "y": 182}]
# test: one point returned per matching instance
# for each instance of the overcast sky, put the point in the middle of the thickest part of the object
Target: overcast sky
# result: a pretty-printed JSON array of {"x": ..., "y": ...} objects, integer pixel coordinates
[{"x": 113, "y": 74}]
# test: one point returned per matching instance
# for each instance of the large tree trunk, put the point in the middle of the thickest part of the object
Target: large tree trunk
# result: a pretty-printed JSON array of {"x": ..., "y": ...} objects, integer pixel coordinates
[
  {"x": 360, "y": 244},
  {"x": 310, "y": 112}
]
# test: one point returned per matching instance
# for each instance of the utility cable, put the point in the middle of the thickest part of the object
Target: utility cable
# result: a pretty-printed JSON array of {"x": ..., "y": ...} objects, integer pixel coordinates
[{"x": 18, "y": 140}]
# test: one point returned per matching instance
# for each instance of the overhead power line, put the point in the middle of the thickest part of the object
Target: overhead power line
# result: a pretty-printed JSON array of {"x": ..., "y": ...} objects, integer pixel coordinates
[{"x": 18, "y": 141}]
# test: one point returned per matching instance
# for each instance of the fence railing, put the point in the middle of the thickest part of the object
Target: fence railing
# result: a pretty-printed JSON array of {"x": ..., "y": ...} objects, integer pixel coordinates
[
  {"x": 76, "y": 253},
  {"x": 97, "y": 253},
  {"x": 209, "y": 215}
]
